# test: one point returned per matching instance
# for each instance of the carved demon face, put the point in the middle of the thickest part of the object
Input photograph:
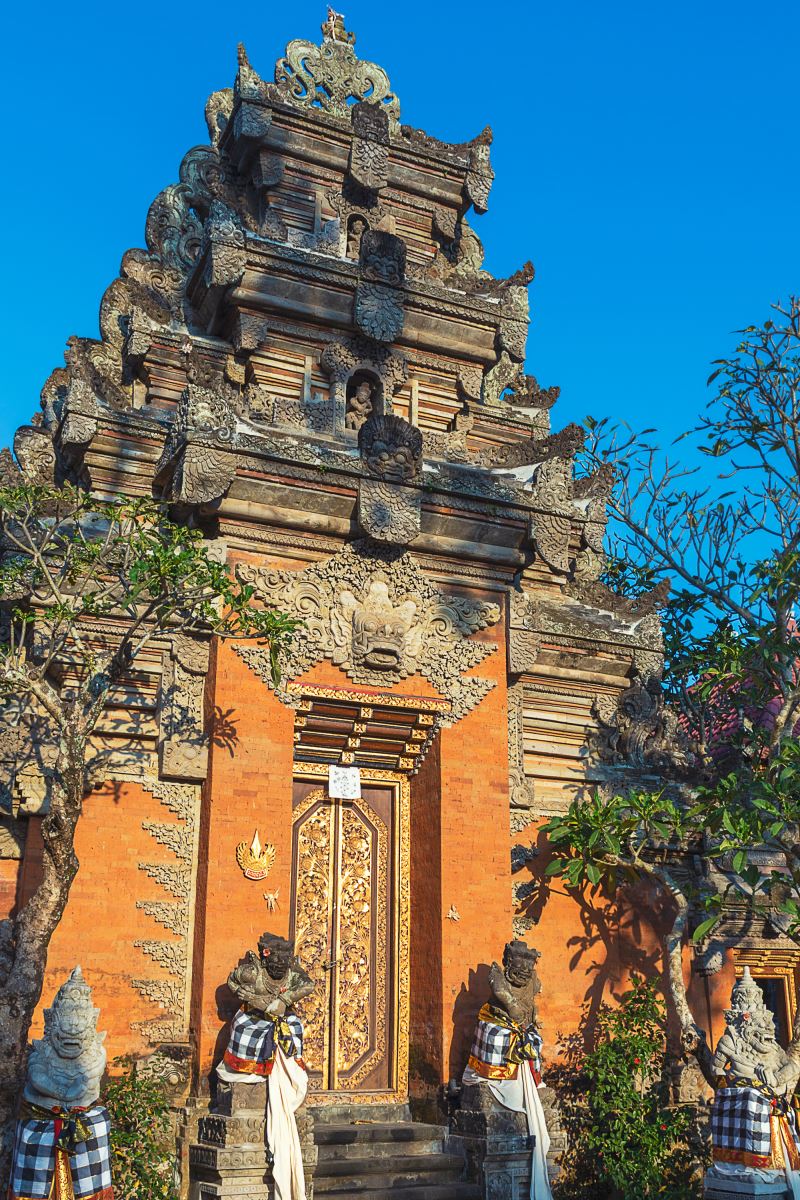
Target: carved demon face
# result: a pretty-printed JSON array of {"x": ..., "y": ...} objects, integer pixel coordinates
[
  {"x": 72, "y": 1027},
  {"x": 519, "y": 963},
  {"x": 380, "y": 629}
]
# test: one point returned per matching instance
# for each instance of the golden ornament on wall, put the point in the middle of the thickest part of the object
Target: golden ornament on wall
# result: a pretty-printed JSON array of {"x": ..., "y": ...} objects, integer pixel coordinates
[{"x": 255, "y": 862}]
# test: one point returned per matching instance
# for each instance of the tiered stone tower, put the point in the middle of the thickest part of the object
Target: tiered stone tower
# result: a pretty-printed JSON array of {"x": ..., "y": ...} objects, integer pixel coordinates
[{"x": 310, "y": 364}]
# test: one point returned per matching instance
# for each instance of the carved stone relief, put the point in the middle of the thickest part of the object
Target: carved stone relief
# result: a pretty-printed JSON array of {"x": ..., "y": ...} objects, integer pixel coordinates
[
  {"x": 183, "y": 745},
  {"x": 371, "y": 611},
  {"x": 524, "y": 643},
  {"x": 637, "y": 729},
  {"x": 365, "y": 358},
  {"x": 195, "y": 466},
  {"x": 331, "y": 78},
  {"x": 391, "y": 448},
  {"x": 521, "y": 793},
  {"x": 387, "y": 512},
  {"x": 369, "y": 149},
  {"x": 171, "y": 992}
]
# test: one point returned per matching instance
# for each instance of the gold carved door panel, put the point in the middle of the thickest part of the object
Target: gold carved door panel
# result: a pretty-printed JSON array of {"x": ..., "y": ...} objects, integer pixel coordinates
[{"x": 345, "y": 929}]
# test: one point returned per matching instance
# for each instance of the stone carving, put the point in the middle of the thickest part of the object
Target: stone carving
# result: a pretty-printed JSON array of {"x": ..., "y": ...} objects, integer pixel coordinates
[
  {"x": 62, "y": 1132},
  {"x": 378, "y": 311},
  {"x": 331, "y": 78},
  {"x": 382, "y": 257},
  {"x": 505, "y": 375},
  {"x": 370, "y": 610},
  {"x": 359, "y": 405},
  {"x": 391, "y": 448},
  {"x": 183, "y": 746},
  {"x": 387, "y": 512},
  {"x": 564, "y": 445},
  {"x": 314, "y": 415},
  {"x": 361, "y": 357},
  {"x": 550, "y": 534},
  {"x": 369, "y": 150},
  {"x": 180, "y": 838},
  {"x": 503, "y": 1076},
  {"x": 524, "y": 641},
  {"x": 480, "y": 175},
  {"x": 459, "y": 263},
  {"x": 638, "y": 729},
  {"x": 36, "y": 455},
  {"x": 195, "y": 466},
  {"x": 754, "y": 1133},
  {"x": 356, "y": 228},
  {"x": 521, "y": 788}
]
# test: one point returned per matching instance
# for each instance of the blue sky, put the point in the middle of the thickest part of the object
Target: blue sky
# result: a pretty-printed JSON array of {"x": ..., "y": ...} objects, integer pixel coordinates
[{"x": 645, "y": 155}]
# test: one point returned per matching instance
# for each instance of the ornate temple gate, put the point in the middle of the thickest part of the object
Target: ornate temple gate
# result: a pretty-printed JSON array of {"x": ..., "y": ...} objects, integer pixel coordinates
[{"x": 350, "y": 922}]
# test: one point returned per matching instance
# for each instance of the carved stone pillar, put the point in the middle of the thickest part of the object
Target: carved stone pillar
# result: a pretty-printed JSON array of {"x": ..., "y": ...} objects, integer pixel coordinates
[
  {"x": 496, "y": 1144},
  {"x": 230, "y": 1157}
]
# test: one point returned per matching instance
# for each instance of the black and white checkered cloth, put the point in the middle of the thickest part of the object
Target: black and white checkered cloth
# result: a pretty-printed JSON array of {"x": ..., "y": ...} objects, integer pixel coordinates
[
  {"x": 498, "y": 1045},
  {"x": 35, "y": 1158},
  {"x": 740, "y": 1120},
  {"x": 253, "y": 1039}
]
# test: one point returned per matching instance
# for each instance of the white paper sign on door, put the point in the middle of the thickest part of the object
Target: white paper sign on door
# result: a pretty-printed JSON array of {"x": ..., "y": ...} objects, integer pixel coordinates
[{"x": 344, "y": 783}]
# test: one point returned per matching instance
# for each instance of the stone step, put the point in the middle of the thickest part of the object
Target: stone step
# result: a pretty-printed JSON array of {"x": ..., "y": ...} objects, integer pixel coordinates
[
  {"x": 438, "y": 1191},
  {"x": 346, "y": 1114},
  {"x": 353, "y": 1175},
  {"x": 395, "y": 1133},
  {"x": 345, "y": 1151}
]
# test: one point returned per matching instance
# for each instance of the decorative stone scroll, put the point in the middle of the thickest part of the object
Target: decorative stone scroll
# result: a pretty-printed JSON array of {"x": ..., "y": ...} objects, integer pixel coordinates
[
  {"x": 370, "y": 610},
  {"x": 195, "y": 466},
  {"x": 330, "y": 77}
]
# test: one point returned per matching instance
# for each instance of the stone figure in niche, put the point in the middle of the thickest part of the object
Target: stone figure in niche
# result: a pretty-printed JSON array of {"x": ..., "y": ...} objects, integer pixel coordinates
[
  {"x": 356, "y": 229},
  {"x": 359, "y": 405},
  {"x": 506, "y": 1051},
  {"x": 754, "y": 1127},
  {"x": 62, "y": 1148},
  {"x": 266, "y": 1042}
]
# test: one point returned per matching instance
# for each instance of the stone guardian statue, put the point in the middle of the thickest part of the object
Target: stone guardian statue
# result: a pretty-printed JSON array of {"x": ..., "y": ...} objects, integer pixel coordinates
[
  {"x": 754, "y": 1126},
  {"x": 506, "y": 1051},
  {"x": 266, "y": 1042},
  {"x": 62, "y": 1149}
]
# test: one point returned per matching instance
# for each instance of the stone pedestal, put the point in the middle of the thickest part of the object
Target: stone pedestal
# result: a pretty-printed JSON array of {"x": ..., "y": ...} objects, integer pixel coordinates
[
  {"x": 716, "y": 1187},
  {"x": 230, "y": 1158},
  {"x": 496, "y": 1144}
]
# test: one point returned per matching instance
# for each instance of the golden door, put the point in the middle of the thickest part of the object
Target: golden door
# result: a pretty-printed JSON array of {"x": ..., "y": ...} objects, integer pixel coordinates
[{"x": 345, "y": 923}]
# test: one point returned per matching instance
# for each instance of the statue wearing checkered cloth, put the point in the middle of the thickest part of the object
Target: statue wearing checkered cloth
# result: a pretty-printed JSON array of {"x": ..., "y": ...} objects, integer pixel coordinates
[
  {"x": 266, "y": 1042},
  {"x": 62, "y": 1147},
  {"x": 754, "y": 1129},
  {"x": 506, "y": 1051}
]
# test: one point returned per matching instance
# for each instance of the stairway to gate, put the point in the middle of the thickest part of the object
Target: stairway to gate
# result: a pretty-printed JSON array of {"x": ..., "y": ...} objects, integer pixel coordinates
[{"x": 374, "y": 1153}]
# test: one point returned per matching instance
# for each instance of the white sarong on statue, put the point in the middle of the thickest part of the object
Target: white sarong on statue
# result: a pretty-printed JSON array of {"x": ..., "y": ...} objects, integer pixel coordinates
[
  {"x": 286, "y": 1091},
  {"x": 522, "y": 1095}
]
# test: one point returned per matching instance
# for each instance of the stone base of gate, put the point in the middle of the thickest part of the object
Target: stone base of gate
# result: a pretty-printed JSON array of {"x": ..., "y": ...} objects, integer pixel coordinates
[{"x": 230, "y": 1159}]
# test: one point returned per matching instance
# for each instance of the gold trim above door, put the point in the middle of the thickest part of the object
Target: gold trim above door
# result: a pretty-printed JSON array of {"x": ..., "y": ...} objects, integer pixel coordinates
[{"x": 334, "y": 842}]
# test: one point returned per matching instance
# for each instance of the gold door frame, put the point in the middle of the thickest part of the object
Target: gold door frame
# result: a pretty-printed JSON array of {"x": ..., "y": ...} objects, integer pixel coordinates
[{"x": 318, "y": 773}]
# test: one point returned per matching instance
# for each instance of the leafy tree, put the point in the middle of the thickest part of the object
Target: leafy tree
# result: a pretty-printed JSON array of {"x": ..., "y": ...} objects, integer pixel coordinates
[
  {"x": 731, "y": 546},
  {"x": 85, "y": 587}
]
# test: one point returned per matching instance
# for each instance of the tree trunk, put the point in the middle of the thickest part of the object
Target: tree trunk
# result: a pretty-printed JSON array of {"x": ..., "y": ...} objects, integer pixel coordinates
[{"x": 23, "y": 970}]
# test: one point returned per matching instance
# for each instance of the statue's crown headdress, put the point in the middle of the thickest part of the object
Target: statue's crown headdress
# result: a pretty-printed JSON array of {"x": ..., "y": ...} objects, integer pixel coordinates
[
  {"x": 746, "y": 995},
  {"x": 74, "y": 993}
]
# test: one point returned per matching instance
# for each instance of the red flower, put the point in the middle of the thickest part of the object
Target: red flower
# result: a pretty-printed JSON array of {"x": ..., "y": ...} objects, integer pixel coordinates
[
  {"x": 637, "y": 1061},
  {"x": 663, "y": 1127}
]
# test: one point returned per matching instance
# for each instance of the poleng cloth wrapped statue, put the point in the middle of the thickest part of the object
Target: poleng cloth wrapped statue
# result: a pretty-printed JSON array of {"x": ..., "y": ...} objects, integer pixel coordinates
[
  {"x": 754, "y": 1126},
  {"x": 266, "y": 1041},
  {"x": 62, "y": 1145},
  {"x": 506, "y": 1051}
]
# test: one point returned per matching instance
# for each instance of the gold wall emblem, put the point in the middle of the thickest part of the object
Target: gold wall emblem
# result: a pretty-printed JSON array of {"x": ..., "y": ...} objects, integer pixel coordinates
[{"x": 255, "y": 862}]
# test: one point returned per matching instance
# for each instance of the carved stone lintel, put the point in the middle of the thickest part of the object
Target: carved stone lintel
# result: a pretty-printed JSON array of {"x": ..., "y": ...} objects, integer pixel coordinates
[
  {"x": 371, "y": 611},
  {"x": 387, "y": 512}
]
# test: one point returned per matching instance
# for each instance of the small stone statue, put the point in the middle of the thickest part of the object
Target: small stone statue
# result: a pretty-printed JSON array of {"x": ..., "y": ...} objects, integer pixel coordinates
[
  {"x": 62, "y": 1147},
  {"x": 754, "y": 1128},
  {"x": 355, "y": 232},
  {"x": 359, "y": 406},
  {"x": 266, "y": 1041},
  {"x": 506, "y": 1050}
]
